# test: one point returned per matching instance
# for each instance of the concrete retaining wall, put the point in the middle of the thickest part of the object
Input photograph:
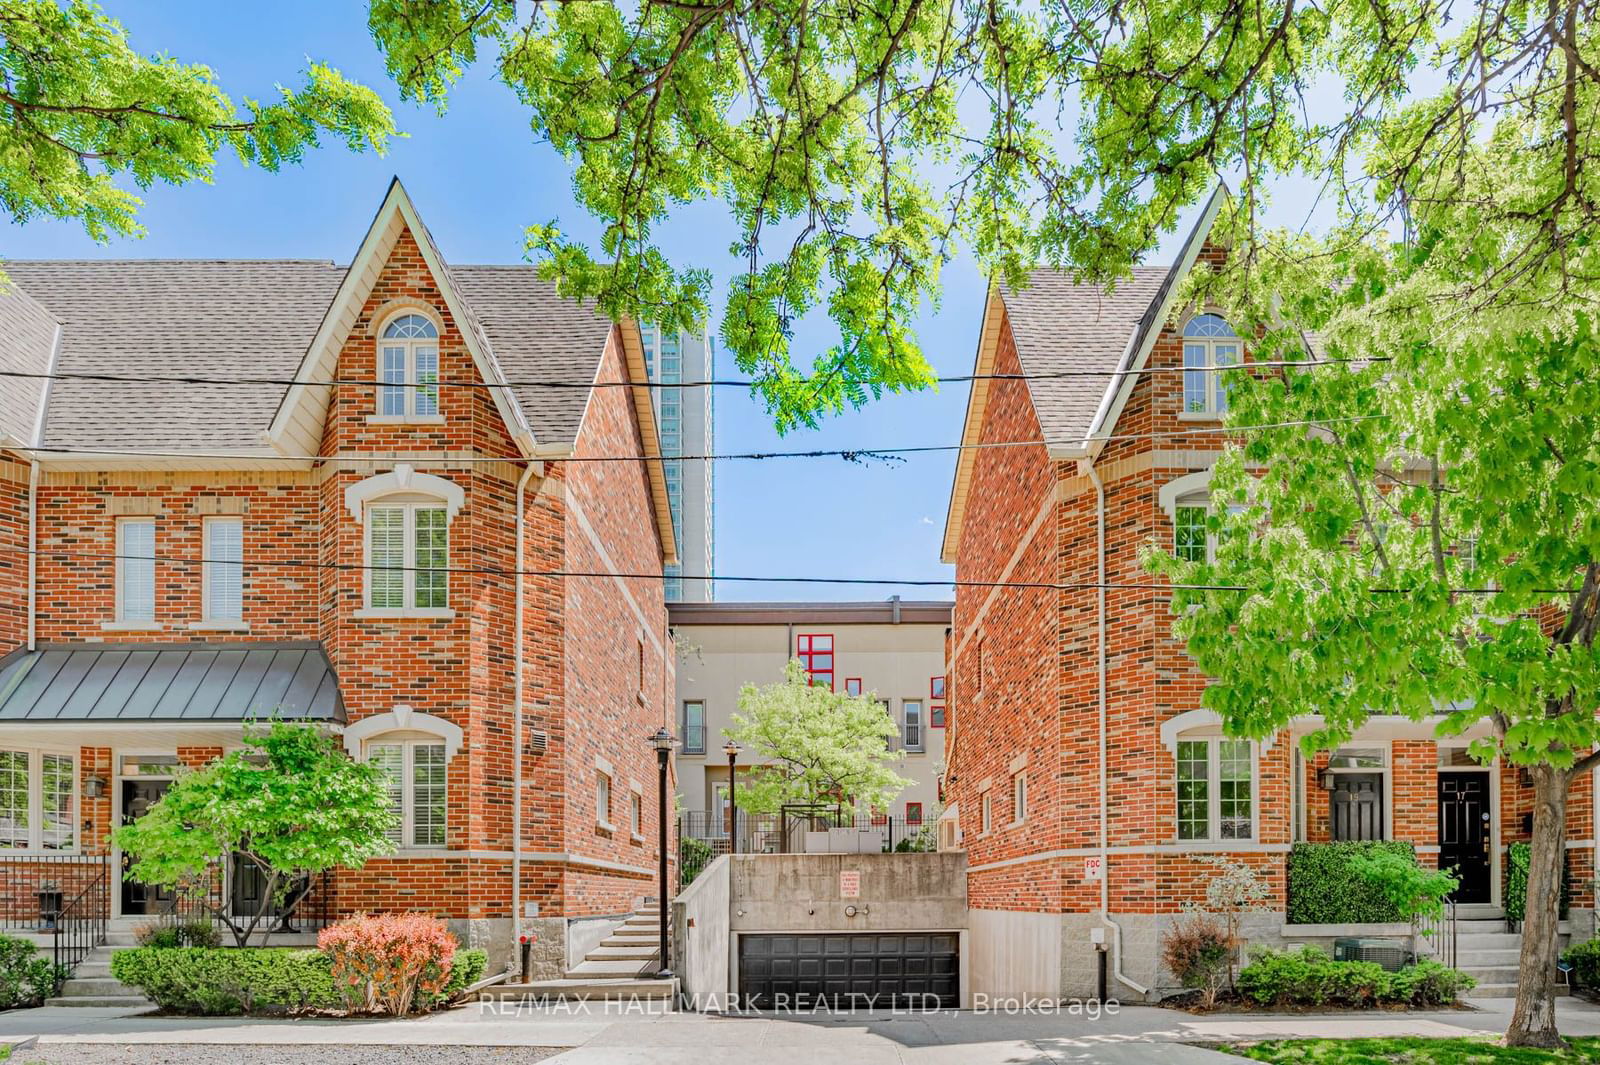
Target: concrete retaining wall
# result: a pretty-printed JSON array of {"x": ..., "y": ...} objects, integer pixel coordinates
[{"x": 701, "y": 942}]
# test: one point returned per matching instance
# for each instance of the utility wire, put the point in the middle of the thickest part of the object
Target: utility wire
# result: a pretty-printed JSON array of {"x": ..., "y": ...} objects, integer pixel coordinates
[
  {"x": 285, "y": 382},
  {"x": 497, "y": 571},
  {"x": 853, "y": 454}
]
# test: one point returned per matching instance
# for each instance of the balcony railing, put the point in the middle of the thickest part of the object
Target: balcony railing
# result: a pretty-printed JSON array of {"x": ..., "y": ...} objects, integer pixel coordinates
[{"x": 785, "y": 833}]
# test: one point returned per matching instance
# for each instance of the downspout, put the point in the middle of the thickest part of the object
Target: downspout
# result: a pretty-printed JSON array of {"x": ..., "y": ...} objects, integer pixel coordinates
[
  {"x": 1100, "y": 671},
  {"x": 528, "y": 470},
  {"x": 33, "y": 551}
]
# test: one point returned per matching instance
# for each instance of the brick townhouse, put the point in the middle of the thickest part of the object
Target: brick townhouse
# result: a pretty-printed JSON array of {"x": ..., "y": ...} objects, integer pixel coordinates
[
  {"x": 378, "y": 545},
  {"x": 1076, "y": 717}
]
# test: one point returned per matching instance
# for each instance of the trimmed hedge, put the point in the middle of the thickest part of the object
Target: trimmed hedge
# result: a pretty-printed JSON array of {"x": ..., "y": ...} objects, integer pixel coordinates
[
  {"x": 1585, "y": 961},
  {"x": 1516, "y": 894},
  {"x": 1325, "y": 888},
  {"x": 227, "y": 980},
  {"x": 1308, "y": 977}
]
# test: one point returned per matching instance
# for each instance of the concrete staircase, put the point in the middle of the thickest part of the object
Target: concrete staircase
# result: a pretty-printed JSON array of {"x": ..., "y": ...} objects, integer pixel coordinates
[
  {"x": 1488, "y": 953},
  {"x": 622, "y": 967},
  {"x": 92, "y": 984}
]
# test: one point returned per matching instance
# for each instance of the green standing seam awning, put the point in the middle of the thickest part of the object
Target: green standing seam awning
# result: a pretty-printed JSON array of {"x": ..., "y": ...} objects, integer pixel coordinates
[{"x": 187, "y": 682}]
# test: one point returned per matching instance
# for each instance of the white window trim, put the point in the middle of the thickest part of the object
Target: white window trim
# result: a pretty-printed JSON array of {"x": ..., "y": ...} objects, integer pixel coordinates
[
  {"x": 408, "y": 568},
  {"x": 408, "y": 786},
  {"x": 36, "y": 801},
  {"x": 208, "y": 621},
  {"x": 121, "y": 621},
  {"x": 1210, "y": 413},
  {"x": 701, "y": 751},
  {"x": 402, "y": 719},
  {"x": 921, "y": 746},
  {"x": 1213, "y": 837},
  {"x": 410, "y": 384}
]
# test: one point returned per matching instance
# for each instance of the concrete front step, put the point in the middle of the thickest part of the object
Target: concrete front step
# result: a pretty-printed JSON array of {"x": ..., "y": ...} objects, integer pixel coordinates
[
  {"x": 1471, "y": 942},
  {"x": 607, "y": 970},
  {"x": 642, "y": 952},
  {"x": 635, "y": 932},
  {"x": 1496, "y": 958},
  {"x": 103, "y": 1001},
  {"x": 1487, "y": 924},
  {"x": 1492, "y": 976},
  {"x": 1508, "y": 991},
  {"x": 582, "y": 990}
]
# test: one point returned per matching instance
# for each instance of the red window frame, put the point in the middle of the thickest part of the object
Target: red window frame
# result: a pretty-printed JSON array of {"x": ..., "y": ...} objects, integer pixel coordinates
[
  {"x": 852, "y": 691},
  {"x": 936, "y": 689},
  {"x": 913, "y": 813},
  {"x": 807, "y": 651}
]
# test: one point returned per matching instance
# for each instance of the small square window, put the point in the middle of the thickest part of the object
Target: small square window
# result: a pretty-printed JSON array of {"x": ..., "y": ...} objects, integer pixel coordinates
[{"x": 852, "y": 685}]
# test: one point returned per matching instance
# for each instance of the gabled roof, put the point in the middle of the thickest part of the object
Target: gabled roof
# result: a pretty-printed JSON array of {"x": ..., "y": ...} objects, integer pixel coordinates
[
  {"x": 297, "y": 425},
  {"x": 1061, "y": 325},
  {"x": 31, "y": 347},
  {"x": 169, "y": 682}
]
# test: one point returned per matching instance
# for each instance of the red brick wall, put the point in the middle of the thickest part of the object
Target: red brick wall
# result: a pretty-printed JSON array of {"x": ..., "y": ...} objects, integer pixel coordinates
[{"x": 303, "y": 553}]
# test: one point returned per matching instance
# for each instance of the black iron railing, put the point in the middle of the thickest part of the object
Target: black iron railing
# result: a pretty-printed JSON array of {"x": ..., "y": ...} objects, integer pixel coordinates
[
  {"x": 787, "y": 832},
  {"x": 306, "y": 905},
  {"x": 35, "y": 888},
  {"x": 80, "y": 924}
]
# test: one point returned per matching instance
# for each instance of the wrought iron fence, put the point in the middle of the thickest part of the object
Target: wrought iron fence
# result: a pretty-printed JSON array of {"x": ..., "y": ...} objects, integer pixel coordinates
[
  {"x": 36, "y": 888},
  {"x": 306, "y": 905},
  {"x": 80, "y": 925},
  {"x": 795, "y": 830}
]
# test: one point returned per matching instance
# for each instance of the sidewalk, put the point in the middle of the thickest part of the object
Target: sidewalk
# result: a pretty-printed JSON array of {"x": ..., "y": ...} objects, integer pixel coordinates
[{"x": 618, "y": 1036}]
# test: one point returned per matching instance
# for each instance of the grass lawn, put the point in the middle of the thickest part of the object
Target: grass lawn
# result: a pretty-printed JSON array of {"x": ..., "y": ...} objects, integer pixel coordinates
[{"x": 1410, "y": 1051}]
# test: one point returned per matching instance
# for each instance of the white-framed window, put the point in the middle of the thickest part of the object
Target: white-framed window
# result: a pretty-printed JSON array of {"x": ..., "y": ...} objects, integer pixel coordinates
[
  {"x": 1209, "y": 342},
  {"x": 986, "y": 814},
  {"x": 912, "y": 714},
  {"x": 602, "y": 799},
  {"x": 694, "y": 726},
  {"x": 408, "y": 368},
  {"x": 222, "y": 577},
  {"x": 1019, "y": 798},
  {"x": 636, "y": 813},
  {"x": 415, "y": 769},
  {"x": 38, "y": 800},
  {"x": 1191, "y": 537},
  {"x": 136, "y": 569},
  {"x": 1216, "y": 789},
  {"x": 408, "y": 556}
]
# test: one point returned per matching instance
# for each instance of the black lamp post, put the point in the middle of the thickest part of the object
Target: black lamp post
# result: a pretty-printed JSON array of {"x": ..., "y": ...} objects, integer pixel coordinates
[
  {"x": 732, "y": 750},
  {"x": 662, "y": 741}
]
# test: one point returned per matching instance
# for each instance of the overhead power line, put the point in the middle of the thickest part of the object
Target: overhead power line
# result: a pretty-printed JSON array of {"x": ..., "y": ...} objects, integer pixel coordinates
[
  {"x": 499, "y": 571},
  {"x": 854, "y": 454},
  {"x": 363, "y": 382}
]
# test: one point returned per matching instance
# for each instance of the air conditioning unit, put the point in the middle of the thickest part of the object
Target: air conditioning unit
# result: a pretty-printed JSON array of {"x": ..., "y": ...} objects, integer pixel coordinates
[
  {"x": 1389, "y": 953},
  {"x": 538, "y": 741}
]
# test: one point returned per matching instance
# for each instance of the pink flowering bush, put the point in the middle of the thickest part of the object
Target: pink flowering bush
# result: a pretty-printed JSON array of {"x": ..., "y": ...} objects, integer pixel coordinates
[{"x": 382, "y": 962}]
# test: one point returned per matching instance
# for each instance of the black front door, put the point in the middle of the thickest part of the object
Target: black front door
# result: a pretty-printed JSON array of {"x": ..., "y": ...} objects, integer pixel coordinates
[
  {"x": 137, "y": 898},
  {"x": 1464, "y": 833},
  {"x": 1356, "y": 806}
]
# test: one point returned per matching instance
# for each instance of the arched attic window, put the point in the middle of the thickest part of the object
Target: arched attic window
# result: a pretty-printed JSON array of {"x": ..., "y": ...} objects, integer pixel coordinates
[
  {"x": 408, "y": 367},
  {"x": 1208, "y": 342}
]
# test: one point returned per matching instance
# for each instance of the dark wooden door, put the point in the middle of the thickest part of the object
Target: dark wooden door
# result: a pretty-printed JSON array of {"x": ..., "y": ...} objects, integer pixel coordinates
[
  {"x": 1357, "y": 806},
  {"x": 1464, "y": 833},
  {"x": 138, "y": 897},
  {"x": 801, "y": 970}
]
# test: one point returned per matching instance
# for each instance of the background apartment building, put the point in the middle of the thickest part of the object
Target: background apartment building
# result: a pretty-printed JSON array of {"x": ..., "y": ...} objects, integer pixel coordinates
[
  {"x": 685, "y": 417},
  {"x": 892, "y": 649}
]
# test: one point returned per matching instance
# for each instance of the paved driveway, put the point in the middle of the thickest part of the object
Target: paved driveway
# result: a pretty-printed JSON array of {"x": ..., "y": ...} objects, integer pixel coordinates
[{"x": 616, "y": 1036}]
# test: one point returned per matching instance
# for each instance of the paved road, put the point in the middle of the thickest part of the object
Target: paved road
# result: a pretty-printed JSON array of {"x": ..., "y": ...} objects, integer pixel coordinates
[{"x": 617, "y": 1036}]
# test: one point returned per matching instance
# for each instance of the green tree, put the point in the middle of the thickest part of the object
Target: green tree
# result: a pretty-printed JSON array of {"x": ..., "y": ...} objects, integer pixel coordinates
[
  {"x": 1421, "y": 537},
  {"x": 81, "y": 110},
  {"x": 287, "y": 805},
  {"x": 820, "y": 746},
  {"x": 857, "y": 147}
]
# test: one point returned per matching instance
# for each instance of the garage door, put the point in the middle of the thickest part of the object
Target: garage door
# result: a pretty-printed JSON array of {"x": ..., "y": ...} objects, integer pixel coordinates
[{"x": 880, "y": 970}]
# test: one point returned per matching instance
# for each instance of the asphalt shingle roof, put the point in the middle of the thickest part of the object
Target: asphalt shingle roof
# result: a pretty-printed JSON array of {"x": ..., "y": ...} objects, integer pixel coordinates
[
  {"x": 1060, "y": 324},
  {"x": 245, "y": 318},
  {"x": 30, "y": 332}
]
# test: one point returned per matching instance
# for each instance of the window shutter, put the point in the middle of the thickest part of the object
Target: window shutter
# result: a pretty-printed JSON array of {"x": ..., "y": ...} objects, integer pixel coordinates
[
  {"x": 224, "y": 569},
  {"x": 138, "y": 566},
  {"x": 386, "y": 550}
]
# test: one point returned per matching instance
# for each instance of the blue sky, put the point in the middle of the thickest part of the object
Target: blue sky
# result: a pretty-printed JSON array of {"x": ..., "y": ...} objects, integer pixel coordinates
[{"x": 478, "y": 179}]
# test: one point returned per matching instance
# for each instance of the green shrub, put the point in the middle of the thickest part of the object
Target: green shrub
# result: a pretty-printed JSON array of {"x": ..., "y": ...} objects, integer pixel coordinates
[
  {"x": 1198, "y": 951},
  {"x": 1585, "y": 961},
  {"x": 693, "y": 856},
  {"x": 1516, "y": 893},
  {"x": 245, "y": 979},
  {"x": 1305, "y": 976},
  {"x": 27, "y": 978},
  {"x": 198, "y": 932},
  {"x": 1326, "y": 886}
]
